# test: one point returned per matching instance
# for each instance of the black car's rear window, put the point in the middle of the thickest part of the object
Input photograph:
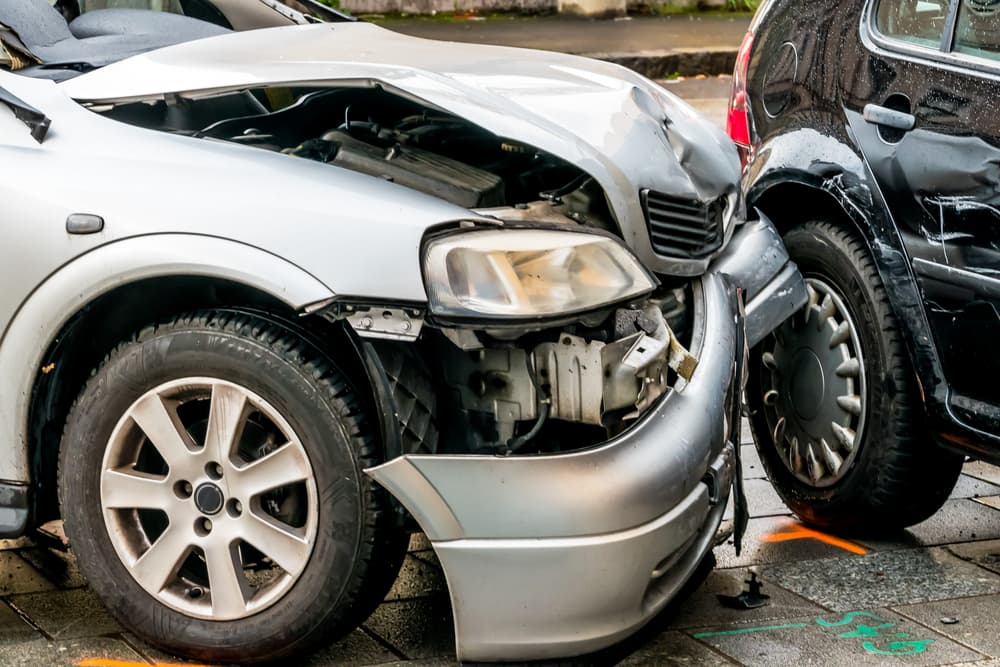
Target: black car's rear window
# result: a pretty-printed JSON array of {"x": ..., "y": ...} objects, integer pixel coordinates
[
  {"x": 977, "y": 32},
  {"x": 919, "y": 21}
]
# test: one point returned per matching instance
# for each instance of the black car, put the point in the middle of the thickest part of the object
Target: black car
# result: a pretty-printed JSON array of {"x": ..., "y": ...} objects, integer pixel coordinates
[{"x": 870, "y": 132}]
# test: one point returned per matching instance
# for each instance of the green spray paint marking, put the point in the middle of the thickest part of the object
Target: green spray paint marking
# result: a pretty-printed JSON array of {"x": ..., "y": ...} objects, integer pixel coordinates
[
  {"x": 743, "y": 631},
  {"x": 860, "y": 631}
]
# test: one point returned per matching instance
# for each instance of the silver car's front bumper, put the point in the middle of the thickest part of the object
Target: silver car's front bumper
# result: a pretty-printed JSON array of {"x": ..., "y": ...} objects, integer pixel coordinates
[{"x": 554, "y": 556}]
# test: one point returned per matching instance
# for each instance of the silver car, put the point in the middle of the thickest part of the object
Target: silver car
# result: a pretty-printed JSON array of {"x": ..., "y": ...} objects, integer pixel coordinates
[{"x": 274, "y": 299}]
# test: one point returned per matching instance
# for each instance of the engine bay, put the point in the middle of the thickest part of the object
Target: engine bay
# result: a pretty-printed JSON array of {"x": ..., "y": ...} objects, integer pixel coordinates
[{"x": 375, "y": 132}]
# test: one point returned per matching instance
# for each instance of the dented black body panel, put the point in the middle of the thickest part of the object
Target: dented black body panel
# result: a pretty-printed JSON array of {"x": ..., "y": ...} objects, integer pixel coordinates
[{"x": 926, "y": 199}]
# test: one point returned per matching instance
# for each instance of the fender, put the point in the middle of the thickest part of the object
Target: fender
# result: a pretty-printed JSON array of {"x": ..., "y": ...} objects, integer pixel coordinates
[{"x": 41, "y": 317}]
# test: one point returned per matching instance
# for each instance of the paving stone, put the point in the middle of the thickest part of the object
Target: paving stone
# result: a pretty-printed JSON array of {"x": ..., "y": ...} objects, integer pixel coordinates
[
  {"x": 702, "y": 607},
  {"x": 417, "y": 578},
  {"x": 805, "y": 641},
  {"x": 985, "y": 554},
  {"x": 92, "y": 652},
  {"x": 13, "y": 628},
  {"x": 673, "y": 648},
  {"x": 752, "y": 467},
  {"x": 971, "y": 487},
  {"x": 746, "y": 435},
  {"x": 152, "y": 653},
  {"x": 354, "y": 650},
  {"x": 989, "y": 501},
  {"x": 58, "y": 567},
  {"x": 67, "y": 614},
  {"x": 884, "y": 579},
  {"x": 419, "y": 628},
  {"x": 762, "y": 544},
  {"x": 977, "y": 620},
  {"x": 17, "y": 576},
  {"x": 984, "y": 471},
  {"x": 960, "y": 520},
  {"x": 16, "y": 543},
  {"x": 763, "y": 500},
  {"x": 419, "y": 542}
]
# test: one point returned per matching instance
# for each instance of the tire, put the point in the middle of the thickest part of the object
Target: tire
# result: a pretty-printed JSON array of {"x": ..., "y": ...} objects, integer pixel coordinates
[
  {"x": 344, "y": 550},
  {"x": 876, "y": 469}
]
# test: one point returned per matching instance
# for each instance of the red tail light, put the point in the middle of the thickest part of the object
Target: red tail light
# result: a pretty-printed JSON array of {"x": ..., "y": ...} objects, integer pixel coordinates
[{"x": 738, "y": 118}]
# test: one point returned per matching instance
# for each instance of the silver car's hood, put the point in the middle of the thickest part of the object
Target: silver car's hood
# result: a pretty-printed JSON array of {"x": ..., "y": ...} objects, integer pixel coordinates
[{"x": 624, "y": 130}]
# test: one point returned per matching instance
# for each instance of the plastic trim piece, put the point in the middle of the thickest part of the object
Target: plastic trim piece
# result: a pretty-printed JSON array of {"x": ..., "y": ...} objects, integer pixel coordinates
[{"x": 14, "y": 509}]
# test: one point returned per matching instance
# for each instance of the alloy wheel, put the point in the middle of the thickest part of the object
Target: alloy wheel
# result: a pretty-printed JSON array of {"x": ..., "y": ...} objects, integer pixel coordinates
[
  {"x": 814, "y": 388},
  {"x": 209, "y": 498}
]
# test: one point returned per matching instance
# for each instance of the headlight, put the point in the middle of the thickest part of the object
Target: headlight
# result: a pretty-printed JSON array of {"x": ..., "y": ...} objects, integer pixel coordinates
[{"x": 518, "y": 273}]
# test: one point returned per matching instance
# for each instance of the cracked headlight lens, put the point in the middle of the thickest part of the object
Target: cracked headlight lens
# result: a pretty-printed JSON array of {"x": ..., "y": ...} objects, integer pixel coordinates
[{"x": 528, "y": 273}]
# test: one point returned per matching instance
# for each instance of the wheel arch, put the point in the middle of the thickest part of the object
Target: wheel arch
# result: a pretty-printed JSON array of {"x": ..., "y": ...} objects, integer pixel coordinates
[
  {"x": 785, "y": 201},
  {"x": 70, "y": 323}
]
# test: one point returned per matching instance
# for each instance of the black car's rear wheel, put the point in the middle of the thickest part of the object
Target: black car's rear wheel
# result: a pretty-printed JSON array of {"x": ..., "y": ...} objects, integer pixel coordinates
[{"x": 834, "y": 407}]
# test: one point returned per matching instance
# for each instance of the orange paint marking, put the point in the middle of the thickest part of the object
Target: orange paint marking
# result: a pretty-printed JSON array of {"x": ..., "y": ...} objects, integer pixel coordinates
[
  {"x": 109, "y": 662},
  {"x": 794, "y": 531}
]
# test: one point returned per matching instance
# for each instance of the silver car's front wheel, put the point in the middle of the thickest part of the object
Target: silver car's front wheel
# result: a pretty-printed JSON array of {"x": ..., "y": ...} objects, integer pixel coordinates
[
  {"x": 209, "y": 498},
  {"x": 211, "y": 478}
]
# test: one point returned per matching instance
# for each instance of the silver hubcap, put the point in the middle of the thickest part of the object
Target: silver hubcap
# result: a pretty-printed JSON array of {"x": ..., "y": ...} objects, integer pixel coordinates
[
  {"x": 209, "y": 498},
  {"x": 813, "y": 379}
]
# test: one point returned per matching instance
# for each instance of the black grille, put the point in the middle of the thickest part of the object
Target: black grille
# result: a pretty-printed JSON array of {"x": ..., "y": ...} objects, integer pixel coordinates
[{"x": 683, "y": 227}]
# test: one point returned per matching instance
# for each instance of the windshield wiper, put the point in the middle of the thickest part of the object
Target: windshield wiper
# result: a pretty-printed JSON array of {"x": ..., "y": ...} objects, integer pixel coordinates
[{"x": 36, "y": 121}]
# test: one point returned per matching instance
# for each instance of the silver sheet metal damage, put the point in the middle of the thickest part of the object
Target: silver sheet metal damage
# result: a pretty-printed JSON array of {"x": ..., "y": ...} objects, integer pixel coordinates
[{"x": 640, "y": 510}]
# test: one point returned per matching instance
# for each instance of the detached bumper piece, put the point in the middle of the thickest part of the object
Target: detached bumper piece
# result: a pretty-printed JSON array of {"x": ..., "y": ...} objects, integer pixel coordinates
[{"x": 553, "y": 556}]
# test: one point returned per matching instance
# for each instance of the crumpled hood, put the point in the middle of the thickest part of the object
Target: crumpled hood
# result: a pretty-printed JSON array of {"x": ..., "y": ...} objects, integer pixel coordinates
[{"x": 624, "y": 130}]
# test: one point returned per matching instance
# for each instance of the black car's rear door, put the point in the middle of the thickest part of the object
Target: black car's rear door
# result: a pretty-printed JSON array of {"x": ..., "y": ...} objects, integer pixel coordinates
[{"x": 925, "y": 110}]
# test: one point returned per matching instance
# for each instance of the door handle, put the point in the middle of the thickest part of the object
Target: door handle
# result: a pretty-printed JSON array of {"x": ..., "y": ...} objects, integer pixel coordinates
[{"x": 897, "y": 120}]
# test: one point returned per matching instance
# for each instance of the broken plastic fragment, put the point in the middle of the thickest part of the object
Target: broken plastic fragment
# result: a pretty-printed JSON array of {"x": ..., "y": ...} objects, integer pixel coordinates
[{"x": 751, "y": 598}]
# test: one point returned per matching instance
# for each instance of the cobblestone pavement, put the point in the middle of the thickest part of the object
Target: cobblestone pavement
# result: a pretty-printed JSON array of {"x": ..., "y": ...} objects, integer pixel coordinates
[{"x": 926, "y": 596}]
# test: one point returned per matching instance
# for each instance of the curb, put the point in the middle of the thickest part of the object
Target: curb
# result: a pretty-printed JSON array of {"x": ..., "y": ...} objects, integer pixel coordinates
[{"x": 677, "y": 62}]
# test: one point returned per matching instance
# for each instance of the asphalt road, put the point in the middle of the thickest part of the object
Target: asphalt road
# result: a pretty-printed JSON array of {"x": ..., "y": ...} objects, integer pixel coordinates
[{"x": 926, "y": 596}]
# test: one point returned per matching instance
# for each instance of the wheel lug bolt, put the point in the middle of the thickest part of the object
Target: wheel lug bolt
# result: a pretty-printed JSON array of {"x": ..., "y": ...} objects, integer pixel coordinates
[
  {"x": 202, "y": 527},
  {"x": 234, "y": 507},
  {"x": 213, "y": 470},
  {"x": 183, "y": 489}
]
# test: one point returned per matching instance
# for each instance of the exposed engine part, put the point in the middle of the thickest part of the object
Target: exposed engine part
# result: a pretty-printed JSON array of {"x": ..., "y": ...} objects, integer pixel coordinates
[
  {"x": 522, "y": 440},
  {"x": 413, "y": 167},
  {"x": 590, "y": 379},
  {"x": 572, "y": 379},
  {"x": 496, "y": 382},
  {"x": 536, "y": 211}
]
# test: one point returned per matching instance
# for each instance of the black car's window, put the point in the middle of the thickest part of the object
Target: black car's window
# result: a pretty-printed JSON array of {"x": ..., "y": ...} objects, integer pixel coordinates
[
  {"x": 977, "y": 32},
  {"x": 919, "y": 21}
]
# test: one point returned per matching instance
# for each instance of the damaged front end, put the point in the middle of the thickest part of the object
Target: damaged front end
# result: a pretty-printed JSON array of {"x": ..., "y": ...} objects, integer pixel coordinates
[
  {"x": 566, "y": 374},
  {"x": 596, "y": 446}
]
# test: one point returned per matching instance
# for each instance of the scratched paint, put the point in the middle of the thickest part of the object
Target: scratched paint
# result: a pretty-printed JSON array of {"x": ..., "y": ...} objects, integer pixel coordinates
[
  {"x": 874, "y": 631},
  {"x": 794, "y": 531}
]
